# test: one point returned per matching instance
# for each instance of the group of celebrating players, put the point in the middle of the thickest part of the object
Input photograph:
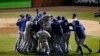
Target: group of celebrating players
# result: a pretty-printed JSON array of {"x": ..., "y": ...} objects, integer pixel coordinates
[{"x": 47, "y": 34}]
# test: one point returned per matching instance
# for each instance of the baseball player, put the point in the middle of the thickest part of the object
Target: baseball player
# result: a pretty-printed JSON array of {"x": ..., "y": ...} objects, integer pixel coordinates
[
  {"x": 34, "y": 29},
  {"x": 43, "y": 45},
  {"x": 80, "y": 31},
  {"x": 38, "y": 16},
  {"x": 27, "y": 36},
  {"x": 44, "y": 18},
  {"x": 21, "y": 24},
  {"x": 57, "y": 32},
  {"x": 66, "y": 35},
  {"x": 59, "y": 19},
  {"x": 74, "y": 17},
  {"x": 50, "y": 40}
]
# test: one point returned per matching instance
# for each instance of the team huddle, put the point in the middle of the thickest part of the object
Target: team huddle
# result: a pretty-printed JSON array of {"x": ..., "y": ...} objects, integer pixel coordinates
[{"x": 47, "y": 34}]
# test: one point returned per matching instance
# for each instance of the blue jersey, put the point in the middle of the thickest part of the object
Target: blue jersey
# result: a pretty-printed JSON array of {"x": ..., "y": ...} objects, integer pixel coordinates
[
  {"x": 22, "y": 24},
  {"x": 36, "y": 27},
  {"x": 38, "y": 17},
  {"x": 80, "y": 30},
  {"x": 65, "y": 26},
  {"x": 56, "y": 28}
]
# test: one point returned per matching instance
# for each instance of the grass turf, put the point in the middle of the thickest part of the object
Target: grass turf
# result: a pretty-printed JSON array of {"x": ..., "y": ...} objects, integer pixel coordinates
[
  {"x": 7, "y": 43},
  {"x": 15, "y": 4},
  {"x": 80, "y": 15}
]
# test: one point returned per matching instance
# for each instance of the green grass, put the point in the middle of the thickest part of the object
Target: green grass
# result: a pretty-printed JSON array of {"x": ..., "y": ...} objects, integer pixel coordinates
[
  {"x": 14, "y": 4},
  {"x": 14, "y": 14},
  {"x": 12, "y": 0},
  {"x": 7, "y": 43},
  {"x": 81, "y": 15}
]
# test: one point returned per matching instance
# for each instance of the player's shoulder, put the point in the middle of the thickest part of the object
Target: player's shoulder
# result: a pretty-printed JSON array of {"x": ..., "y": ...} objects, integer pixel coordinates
[
  {"x": 75, "y": 19},
  {"x": 46, "y": 32},
  {"x": 39, "y": 31}
]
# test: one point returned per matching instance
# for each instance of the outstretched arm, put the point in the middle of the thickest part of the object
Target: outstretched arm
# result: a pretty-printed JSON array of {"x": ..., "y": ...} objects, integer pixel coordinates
[{"x": 37, "y": 11}]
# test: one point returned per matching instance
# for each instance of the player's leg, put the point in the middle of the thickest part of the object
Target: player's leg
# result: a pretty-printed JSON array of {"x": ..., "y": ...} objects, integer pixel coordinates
[
  {"x": 50, "y": 40},
  {"x": 56, "y": 44},
  {"x": 77, "y": 40},
  {"x": 35, "y": 44},
  {"x": 22, "y": 42},
  {"x": 80, "y": 42},
  {"x": 47, "y": 49},
  {"x": 62, "y": 43},
  {"x": 17, "y": 42},
  {"x": 59, "y": 44},
  {"x": 67, "y": 41},
  {"x": 42, "y": 48},
  {"x": 21, "y": 39},
  {"x": 90, "y": 50}
]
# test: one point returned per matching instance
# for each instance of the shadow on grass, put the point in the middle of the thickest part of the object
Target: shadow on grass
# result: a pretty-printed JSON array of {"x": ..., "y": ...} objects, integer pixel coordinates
[
  {"x": 13, "y": 53},
  {"x": 9, "y": 53}
]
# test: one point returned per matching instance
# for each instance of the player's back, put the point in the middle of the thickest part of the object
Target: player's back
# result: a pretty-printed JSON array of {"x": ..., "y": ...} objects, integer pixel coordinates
[
  {"x": 80, "y": 31},
  {"x": 43, "y": 35},
  {"x": 28, "y": 26}
]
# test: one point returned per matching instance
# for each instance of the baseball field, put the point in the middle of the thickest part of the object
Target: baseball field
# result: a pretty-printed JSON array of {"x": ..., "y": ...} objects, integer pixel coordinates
[{"x": 8, "y": 28}]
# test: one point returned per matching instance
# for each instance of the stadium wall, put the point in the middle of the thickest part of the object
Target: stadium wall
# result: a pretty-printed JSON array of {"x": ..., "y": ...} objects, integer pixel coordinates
[{"x": 44, "y": 3}]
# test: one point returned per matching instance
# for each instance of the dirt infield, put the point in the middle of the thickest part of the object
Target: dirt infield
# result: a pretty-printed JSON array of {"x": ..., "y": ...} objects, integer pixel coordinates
[{"x": 9, "y": 26}]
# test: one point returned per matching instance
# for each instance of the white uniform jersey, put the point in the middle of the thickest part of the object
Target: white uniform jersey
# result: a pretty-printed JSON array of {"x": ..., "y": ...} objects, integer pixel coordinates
[
  {"x": 73, "y": 22},
  {"x": 28, "y": 26},
  {"x": 27, "y": 35},
  {"x": 43, "y": 35}
]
